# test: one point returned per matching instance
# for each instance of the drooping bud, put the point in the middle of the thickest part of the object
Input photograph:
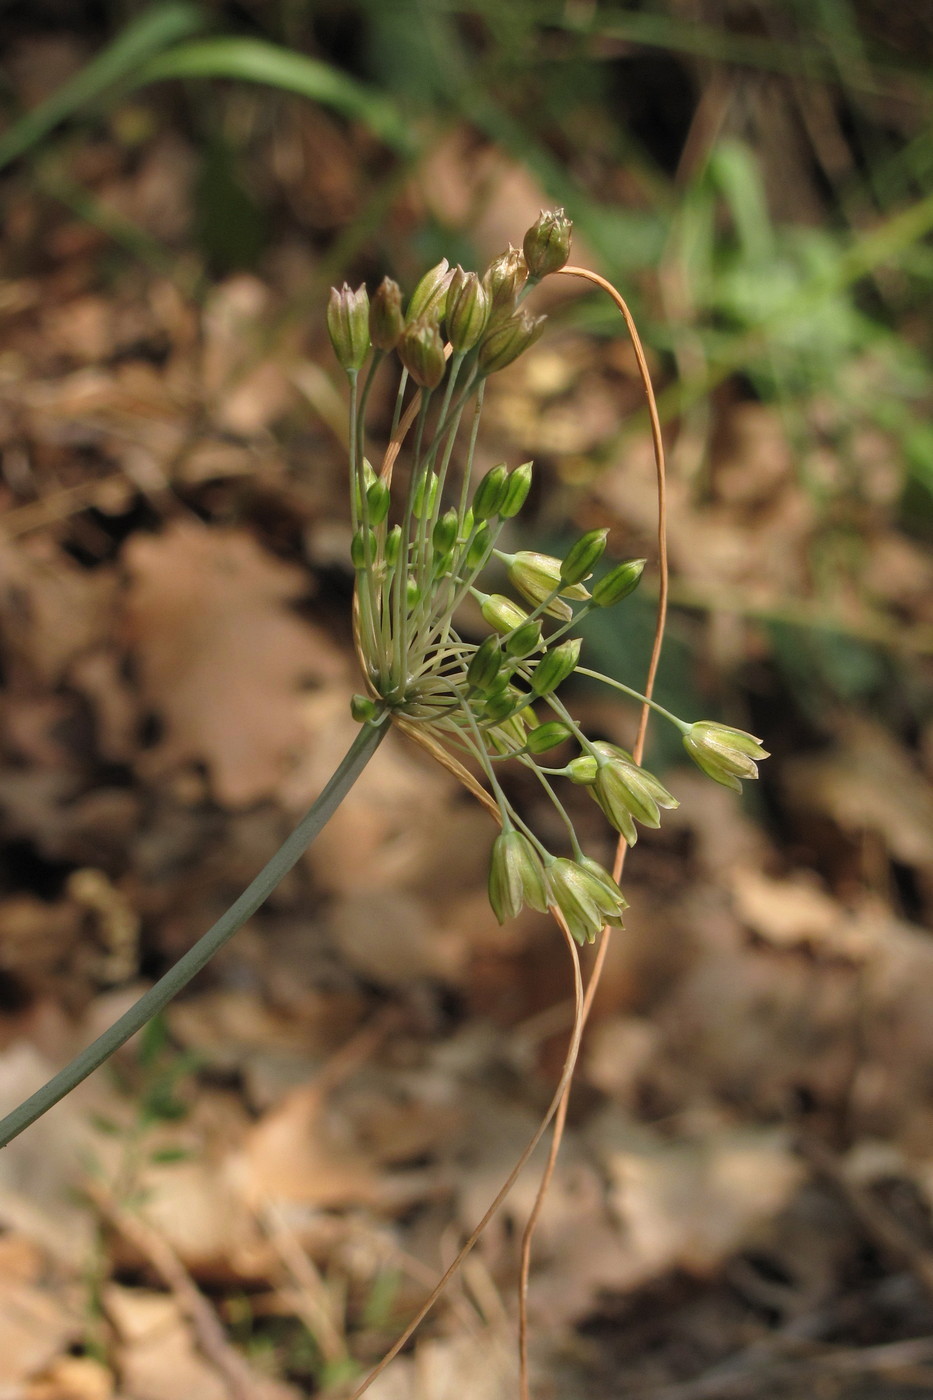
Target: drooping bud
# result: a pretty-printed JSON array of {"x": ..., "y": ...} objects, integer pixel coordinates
[
  {"x": 348, "y": 326},
  {"x": 618, "y": 583},
  {"x": 546, "y": 245},
  {"x": 467, "y": 309},
  {"x": 485, "y": 664},
  {"x": 582, "y": 770},
  {"x": 524, "y": 640},
  {"x": 625, "y": 791},
  {"x": 583, "y": 556},
  {"x": 503, "y": 279},
  {"x": 386, "y": 321},
  {"x": 723, "y": 753},
  {"x": 501, "y": 613},
  {"x": 547, "y": 736},
  {"x": 490, "y": 493},
  {"x": 509, "y": 340},
  {"x": 516, "y": 491},
  {"x": 593, "y": 867},
  {"x": 428, "y": 296},
  {"x": 555, "y": 666},
  {"x": 516, "y": 876},
  {"x": 584, "y": 900},
  {"x": 537, "y": 576},
  {"x": 421, "y": 351}
]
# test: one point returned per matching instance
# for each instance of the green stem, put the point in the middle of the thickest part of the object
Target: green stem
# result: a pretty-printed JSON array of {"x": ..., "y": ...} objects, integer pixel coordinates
[
  {"x": 158, "y": 997},
  {"x": 635, "y": 694}
]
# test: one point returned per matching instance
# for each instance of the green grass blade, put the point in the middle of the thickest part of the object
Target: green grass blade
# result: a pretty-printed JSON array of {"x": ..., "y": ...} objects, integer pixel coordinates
[
  {"x": 155, "y": 30},
  {"x": 256, "y": 61}
]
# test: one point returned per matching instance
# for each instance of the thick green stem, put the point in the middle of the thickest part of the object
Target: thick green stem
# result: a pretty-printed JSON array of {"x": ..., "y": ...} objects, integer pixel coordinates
[{"x": 158, "y": 997}]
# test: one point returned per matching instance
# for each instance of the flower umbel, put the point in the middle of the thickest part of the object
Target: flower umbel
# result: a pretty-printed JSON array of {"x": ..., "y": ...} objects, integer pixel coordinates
[{"x": 421, "y": 559}]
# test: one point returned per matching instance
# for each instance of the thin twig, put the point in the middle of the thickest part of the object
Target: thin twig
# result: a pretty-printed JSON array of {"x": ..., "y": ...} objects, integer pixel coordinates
[{"x": 560, "y": 1117}]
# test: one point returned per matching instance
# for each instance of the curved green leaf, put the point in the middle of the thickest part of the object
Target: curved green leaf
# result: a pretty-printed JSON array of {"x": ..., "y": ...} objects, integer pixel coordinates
[{"x": 255, "y": 61}]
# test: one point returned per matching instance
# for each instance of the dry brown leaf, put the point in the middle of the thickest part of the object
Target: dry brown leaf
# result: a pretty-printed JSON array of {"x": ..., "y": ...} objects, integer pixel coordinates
[{"x": 221, "y": 659}]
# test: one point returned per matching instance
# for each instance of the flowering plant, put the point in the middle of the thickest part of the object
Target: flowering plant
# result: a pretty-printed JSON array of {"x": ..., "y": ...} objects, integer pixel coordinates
[{"x": 418, "y": 561}]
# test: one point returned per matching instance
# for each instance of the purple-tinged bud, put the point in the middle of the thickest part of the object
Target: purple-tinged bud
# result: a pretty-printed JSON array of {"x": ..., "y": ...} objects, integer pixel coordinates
[
  {"x": 516, "y": 876},
  {"x": 618, "y": 583},
  {"x": 516, "y": 492},
  {"x": 427, "y": 299},
  {"x": 421, "y": 351},
  {"x": 386, "y": 321},
  {"x": 507, "y": 341},
  {"x": 348, "y": 326},
  {"x": 555, "y": 666},
  {"x": 546, "y": 245},
  {"x": 723, "y": 753},
  {"x": 467, "y": 309},
  {"x": 547, "y": 736},
  {"x": 583, "y": 557},
  {"x": 489, "y": 494}
]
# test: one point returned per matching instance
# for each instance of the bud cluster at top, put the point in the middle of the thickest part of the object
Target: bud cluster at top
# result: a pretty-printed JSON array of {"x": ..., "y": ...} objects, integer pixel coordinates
[{"x": 432, "y": 570}]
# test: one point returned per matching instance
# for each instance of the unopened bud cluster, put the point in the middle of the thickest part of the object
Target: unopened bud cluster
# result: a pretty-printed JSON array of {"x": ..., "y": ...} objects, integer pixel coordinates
[{"x": 419, "y": 561}]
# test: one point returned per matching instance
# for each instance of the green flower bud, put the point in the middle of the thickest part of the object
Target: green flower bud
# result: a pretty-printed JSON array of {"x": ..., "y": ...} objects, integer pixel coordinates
[
  {"x": 516, "y": 491},
  {"x": 524, "y": 640},
  {"x": 467, "y": 309},
  {"x": 618, "y": 583},
  {"x": 485, "y": 664},
  {"x": 362, "y": 548},
  {"x": 584, "y": 900},
  {"x": 479, "y": 547},
  {"x": 348, "y": 326},
  {"x": 536, "y": 576},
  {"x": 421, "y": 351},
  {"x": 490, "y": 493},
  {"x": 582, "y": 770},
  {"x": 428, "y": 296},
  {"x": 516, "y": 876},
  {"x": 393, "y": 545},
  {"x": 723, "y": 753},
  {"x": 508, "y": 736},
  {"x": 546, "y": 245},
  {"x": 501, "y": 706},
  {"x": 625, "y": 791},
  {"x": 377, "y": 501},
  {"x": 364, "y": 710},
  {"x": 425, "y": 495},
  {"x": 555, "y": 666},
  {"x": 503, "y": 279},
  {"x": 507, "y": 341},
  {"x": 412, "y": 594},
  {"x": 386, "y": 321},
  {"x": 444, "y": 534},
  {"x": 501, "y": 613},
  {"x": 584, "y": 556},
  {"x": 547, "y": 736}
]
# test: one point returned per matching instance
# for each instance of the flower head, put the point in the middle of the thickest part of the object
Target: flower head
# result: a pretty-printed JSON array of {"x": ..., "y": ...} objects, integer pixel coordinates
[{"x": 723, "y": 753}]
